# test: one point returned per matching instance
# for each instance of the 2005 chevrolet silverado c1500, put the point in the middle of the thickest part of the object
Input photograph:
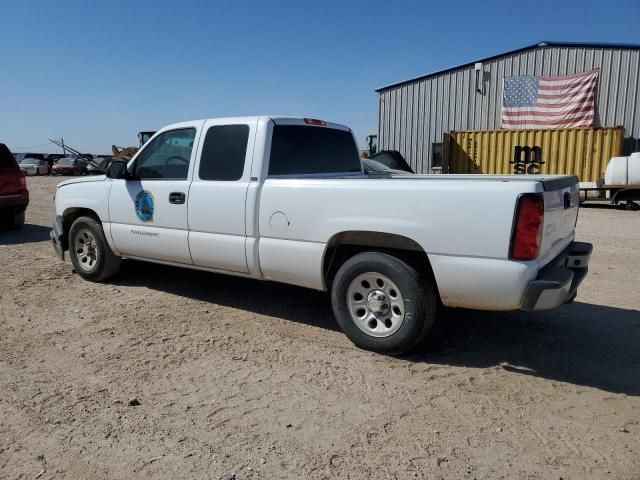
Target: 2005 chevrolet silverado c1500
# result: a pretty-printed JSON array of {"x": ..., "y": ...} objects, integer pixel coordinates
[{"x": 285, "y": 199}]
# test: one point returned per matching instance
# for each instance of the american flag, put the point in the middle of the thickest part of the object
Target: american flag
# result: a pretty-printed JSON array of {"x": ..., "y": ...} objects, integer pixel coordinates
[{"x": 549, "y": 102}]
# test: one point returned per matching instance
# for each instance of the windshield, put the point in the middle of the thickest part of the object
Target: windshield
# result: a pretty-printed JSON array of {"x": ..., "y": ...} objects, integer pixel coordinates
[
  {"x": 30, "y": 161},
  {"x": 65, "y": 161}
]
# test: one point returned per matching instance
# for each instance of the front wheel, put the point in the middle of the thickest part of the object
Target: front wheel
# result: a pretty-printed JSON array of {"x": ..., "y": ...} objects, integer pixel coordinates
[
  {"x": 90, "y": 253},
  {"x": 383, "y": 304}
]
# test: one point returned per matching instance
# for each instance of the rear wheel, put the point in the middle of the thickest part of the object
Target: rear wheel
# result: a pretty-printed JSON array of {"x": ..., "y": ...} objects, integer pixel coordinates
[
  {"x": 383, "y": 304},
  {"x": 90, "y": 253}
]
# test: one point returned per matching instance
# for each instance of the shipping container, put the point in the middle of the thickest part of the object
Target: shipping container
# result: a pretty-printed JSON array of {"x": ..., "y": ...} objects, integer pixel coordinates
[{"x": 584, "y": 152}]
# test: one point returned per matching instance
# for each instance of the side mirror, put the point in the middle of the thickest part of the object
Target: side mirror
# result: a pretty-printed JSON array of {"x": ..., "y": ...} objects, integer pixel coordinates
[{"x": 118, "y": 170}]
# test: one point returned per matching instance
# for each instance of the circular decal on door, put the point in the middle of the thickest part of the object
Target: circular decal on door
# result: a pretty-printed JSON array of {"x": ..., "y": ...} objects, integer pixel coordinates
[{"x": 144, "y": 206}]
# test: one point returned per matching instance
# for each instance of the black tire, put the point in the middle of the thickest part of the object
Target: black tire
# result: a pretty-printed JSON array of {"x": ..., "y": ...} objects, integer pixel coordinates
[
  {"x": 420, "y": 302},
  {"x": 12, "y": 220},
  {"x": 106, "y": 265}
]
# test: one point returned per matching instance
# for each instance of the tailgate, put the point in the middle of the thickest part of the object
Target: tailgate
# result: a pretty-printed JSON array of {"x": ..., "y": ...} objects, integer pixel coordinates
[{"x": 561, "y": 200}]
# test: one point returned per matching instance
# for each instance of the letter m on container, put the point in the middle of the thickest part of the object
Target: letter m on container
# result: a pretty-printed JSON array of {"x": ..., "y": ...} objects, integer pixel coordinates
[{"x": 527, "y": 227}]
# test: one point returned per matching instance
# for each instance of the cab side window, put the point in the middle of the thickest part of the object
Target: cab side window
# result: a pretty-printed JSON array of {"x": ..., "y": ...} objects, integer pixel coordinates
[
  {"x": 167, "y": 156},
  {"x": 224, "y": 152}
]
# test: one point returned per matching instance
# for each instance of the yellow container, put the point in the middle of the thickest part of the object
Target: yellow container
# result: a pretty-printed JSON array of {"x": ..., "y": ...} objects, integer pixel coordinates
[{"x": 584, "y": 152}]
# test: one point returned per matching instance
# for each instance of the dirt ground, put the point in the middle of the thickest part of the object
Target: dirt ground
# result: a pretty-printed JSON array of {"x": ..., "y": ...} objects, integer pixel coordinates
[{"x": 254, "y": 378}]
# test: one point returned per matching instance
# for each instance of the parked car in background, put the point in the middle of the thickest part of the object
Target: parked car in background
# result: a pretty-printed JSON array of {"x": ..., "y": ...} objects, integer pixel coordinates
[
  {"x": 19, "y": 157},
  {"x": 34, "y": 166},
  {"x": 70, "y": 166},
  {"x": 14, "y": 196},
  {"x": 53, "y": 158},
  {"x": 38, "y": 156}
]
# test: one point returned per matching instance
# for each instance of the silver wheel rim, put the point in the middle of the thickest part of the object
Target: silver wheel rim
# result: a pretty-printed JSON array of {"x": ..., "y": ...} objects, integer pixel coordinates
[
  {"x": 376, "y": 304},
  {"x": 86, "y": 250}
]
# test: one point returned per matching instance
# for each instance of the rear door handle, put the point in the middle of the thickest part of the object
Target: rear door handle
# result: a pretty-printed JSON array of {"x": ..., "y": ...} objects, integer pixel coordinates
[{"x": 177, "y": 198}]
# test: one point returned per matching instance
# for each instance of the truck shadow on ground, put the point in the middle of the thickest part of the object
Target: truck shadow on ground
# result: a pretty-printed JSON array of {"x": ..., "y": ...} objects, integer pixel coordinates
[
  {"x": 28, "y": 234},
  {"x": 581, "y": 343}
]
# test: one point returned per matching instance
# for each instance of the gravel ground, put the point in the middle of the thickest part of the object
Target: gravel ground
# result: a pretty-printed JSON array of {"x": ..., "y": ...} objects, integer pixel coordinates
[{"x": 169, "y": 373}]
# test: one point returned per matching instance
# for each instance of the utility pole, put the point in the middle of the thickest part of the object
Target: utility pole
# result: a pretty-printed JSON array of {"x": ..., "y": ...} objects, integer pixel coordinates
[{"x": 64, "y": 151}]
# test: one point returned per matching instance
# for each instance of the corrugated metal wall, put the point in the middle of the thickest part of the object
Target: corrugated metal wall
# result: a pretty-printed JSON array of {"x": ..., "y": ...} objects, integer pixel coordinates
[
  {"x": 577, "y": 151},
  {"x": 414, "y": 115}
]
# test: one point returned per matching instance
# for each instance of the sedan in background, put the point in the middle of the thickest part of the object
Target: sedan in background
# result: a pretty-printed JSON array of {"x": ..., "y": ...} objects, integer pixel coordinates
[
  {"x": 70, "y": 166},
  {"x": 52, "y": 158},
  {"x": 34, "y": 166},
  {"x": 24, "y": 156}
]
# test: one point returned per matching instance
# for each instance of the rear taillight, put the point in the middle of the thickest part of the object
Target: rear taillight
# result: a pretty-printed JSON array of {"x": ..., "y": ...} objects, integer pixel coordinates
[
  {"x": 23, "y": 180},
  {"x": 527, "y": 228}
]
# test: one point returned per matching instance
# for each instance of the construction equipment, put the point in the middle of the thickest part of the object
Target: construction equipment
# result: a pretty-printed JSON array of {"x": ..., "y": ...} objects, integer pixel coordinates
[
  {"x": 372, "y": 146},
  {"x": 75, "y": 152},
  {"x": 144, "y": 137},
  {"x": 126, "y": 153}
]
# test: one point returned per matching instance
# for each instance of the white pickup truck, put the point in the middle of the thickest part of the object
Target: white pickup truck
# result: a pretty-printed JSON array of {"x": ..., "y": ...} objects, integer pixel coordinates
[{"x": 287, "y": 200}]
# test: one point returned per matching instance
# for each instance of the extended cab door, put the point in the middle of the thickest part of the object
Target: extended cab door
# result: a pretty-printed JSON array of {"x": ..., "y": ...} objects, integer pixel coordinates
[
  {"x": 148, "y": 213},
  {"x": 217, "y": 198}
]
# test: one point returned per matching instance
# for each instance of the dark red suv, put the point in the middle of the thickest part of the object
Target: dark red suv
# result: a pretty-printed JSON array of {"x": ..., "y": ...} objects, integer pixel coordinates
[{"x": 14, "y": 196}]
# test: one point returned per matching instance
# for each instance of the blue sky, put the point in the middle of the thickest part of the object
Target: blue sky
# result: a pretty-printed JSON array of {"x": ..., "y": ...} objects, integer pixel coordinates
[{"x": 98, "y": 72}]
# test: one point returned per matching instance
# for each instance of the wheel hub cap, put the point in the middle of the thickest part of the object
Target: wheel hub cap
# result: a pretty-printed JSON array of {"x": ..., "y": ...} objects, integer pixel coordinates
[
  {"x": 376, "y": 304},
  {"x": 85, "y": 250}
]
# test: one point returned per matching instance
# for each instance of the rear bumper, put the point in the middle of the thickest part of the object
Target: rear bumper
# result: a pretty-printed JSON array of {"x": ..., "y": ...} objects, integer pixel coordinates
[
  {"x": 557, "y": 283},
  {"x": 17, "y": 201},
  {"x": 56, "y": 236}
]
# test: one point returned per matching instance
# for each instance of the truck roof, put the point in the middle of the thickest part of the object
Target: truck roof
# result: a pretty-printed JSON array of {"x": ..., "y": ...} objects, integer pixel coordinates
[{"x": 278, "y": 119}]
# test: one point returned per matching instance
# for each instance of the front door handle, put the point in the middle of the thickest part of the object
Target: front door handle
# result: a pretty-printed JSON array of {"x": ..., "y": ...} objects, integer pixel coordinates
[{"x": 177, "y": 198}]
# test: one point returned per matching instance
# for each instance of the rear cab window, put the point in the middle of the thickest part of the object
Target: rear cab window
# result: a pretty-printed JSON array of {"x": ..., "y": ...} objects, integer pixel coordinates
[
  {"x": 224, "y": 152},
  {"x": 312, "y": 150}
]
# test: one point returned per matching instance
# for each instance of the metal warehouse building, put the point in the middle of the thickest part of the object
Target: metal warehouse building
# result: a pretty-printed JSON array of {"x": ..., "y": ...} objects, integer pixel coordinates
[{"x": 415, "y": 114}]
